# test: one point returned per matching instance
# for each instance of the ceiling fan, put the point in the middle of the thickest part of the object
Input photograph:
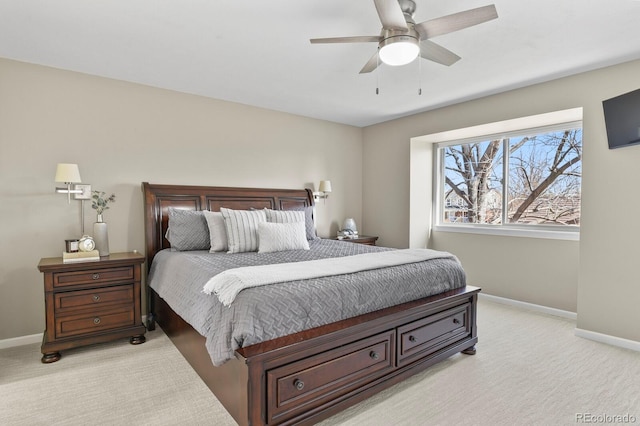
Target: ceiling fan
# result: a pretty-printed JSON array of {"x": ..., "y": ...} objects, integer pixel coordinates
[{"x": 401, "y": 39}]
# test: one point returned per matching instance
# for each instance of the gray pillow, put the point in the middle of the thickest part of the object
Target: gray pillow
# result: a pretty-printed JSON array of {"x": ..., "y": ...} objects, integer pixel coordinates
[
  {"x": 188, "y": 230},
  {"x": 310, "y": 224},
  {"x": 217, "y": 231}
]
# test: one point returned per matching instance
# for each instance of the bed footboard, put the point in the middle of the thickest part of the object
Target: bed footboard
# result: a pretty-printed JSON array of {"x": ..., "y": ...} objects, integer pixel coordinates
[{"x": 308, "y": 376}]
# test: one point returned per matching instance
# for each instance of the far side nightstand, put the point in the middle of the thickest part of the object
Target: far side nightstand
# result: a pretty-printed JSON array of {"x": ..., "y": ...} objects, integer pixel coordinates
[
  {"x": 91, "y": 302},
  {"x": 362, "y": 239}
]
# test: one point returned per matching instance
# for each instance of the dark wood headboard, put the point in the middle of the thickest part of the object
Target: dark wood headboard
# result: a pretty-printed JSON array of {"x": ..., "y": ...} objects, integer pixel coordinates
[{"x": 158, "y": 199}]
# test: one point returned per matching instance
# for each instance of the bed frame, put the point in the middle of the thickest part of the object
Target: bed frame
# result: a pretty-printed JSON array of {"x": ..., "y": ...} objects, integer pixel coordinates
[{"x": 307, "y": 376}]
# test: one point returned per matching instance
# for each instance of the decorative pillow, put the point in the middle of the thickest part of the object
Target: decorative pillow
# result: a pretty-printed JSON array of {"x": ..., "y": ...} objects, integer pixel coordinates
[
  {"x": 282, "y": 236},
  {"x": 284, "y": 216},
  {"x": 242, "y": 228},
  {"x": 310, "y": 224},
  {"x": 217, "y": 231},
  {"x": 288, "y": 216},
  {"x": 187, "y": 230}
]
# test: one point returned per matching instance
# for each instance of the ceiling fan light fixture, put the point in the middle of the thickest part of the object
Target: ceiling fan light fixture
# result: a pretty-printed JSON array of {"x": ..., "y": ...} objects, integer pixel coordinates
[{"x": 398, "y": 50}]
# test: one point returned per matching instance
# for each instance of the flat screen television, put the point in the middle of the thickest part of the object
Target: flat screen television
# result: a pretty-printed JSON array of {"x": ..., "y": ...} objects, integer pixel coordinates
[{"x": 622, "y": 118}]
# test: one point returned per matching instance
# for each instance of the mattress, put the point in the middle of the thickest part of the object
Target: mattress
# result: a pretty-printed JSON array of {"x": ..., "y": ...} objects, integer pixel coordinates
[{"x": 262, "y": 313}]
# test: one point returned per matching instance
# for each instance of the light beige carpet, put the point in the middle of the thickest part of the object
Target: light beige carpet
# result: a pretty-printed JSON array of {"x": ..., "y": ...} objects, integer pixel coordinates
[
  {"x": 529, "y": 370},
  {"x": 110, "y": 384}
]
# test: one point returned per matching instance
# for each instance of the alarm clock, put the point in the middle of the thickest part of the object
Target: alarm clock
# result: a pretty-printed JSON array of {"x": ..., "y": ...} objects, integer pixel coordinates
[{"x": 86, "y": 243}]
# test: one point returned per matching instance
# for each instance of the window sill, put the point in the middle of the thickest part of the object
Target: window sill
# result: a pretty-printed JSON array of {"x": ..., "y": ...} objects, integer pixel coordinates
[{"x": 506, "y": 231}]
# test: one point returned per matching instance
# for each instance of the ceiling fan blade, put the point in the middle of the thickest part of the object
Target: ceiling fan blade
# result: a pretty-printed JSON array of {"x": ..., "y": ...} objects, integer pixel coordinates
[
  {"x": 354, "y": 39},
  {"x": 371, "y": 64},
  {"x": 390, "y": 14},
  {"x": 436, "y": 53},
  {"x": 455, "y": 22}
]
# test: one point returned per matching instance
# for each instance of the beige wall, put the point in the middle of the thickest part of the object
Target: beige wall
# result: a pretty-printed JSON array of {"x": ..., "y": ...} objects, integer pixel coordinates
[
  {"x": 597, "y": 276},
  {"x": 122, "y": 134}
]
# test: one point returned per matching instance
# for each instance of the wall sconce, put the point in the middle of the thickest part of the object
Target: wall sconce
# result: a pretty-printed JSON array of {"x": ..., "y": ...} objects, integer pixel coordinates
[
  {"x": 323, "y": 190},
  {"x": 70, "y": 174}
]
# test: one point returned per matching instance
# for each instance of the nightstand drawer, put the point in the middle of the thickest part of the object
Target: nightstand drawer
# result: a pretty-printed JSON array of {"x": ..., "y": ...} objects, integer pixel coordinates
[
  {"x": 95, "y": 321},
  {"x": 362, "y": 239},
  {"x": 92, "y": 276},
  {"x": 93, "y": 298}
]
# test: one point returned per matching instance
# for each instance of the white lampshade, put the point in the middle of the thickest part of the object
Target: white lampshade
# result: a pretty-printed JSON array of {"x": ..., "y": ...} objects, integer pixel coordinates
[
  {"x": 68, "y": 173},
  {"x": 325, "y": 186},
  {"x": 399, "y": 52}
]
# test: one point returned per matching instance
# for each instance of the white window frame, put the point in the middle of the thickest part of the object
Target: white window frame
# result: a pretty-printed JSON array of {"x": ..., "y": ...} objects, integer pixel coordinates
[{"x": 537, "y": 124}]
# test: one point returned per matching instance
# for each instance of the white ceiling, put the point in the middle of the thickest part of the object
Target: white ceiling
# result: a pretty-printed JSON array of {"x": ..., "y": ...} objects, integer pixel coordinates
[{"x": 258, "y": 52}]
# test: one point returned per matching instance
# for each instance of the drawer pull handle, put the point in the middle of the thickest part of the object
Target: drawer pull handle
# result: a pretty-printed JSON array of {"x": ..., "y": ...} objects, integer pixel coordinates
[
  {"x": 96, "y": 320},
  {"x": 299, "y": 384},
  {"x": 96, "y": 297},
  {"x": 374, "y": 355},
  {"x": 412, "y": 338},
  {"x": 95, "y": 276},
  {"x": 456, "y": 321}
]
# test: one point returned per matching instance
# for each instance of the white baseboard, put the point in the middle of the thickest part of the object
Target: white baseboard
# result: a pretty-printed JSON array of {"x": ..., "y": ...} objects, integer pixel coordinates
[
  {"x": 586, "y": 334},
  {"x": 530, "y": 306},
  {"x": 19, "y": 341},
  {"x": 608, "y": 339}
]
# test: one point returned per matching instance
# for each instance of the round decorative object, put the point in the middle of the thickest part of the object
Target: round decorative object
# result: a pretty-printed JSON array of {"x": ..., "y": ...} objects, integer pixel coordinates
[
  {"x": 86, "y": 243},
  {"x": 350, "y": 224}
]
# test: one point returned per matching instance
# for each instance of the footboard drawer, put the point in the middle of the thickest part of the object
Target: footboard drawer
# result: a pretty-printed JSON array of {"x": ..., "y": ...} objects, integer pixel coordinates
[
  {"x": 425, "y": 336},
  {"x": 311, "y": 382}
]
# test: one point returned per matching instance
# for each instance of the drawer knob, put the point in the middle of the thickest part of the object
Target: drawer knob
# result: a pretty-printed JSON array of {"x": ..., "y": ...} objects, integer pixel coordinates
[
  {"x": 412, "y": 338},
  {"x": 299, "y": 384},
  {"x": 456, "y": 321},
  {"x": 95, "y": 276},
  {"x": 374, "y": 355},
  {"x": 96, "y": 320},
  {"x": 96, "y": 297}
]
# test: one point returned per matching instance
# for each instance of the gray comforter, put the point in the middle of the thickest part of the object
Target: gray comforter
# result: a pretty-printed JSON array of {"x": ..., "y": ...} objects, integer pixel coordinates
[{"x": 263, "y": 313}]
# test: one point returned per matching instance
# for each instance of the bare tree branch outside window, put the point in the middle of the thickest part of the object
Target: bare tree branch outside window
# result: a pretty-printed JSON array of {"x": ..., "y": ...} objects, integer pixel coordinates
[{"x": 544, "y": 174}]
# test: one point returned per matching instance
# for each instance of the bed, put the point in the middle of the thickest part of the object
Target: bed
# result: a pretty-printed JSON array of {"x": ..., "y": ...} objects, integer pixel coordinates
[{"x": 309, "y": 374}]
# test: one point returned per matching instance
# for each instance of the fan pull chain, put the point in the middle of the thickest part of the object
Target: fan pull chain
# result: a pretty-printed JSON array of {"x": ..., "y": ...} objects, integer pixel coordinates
[
  {"x": 378, "y": 75},
  {"x": 419, "y": 75}
]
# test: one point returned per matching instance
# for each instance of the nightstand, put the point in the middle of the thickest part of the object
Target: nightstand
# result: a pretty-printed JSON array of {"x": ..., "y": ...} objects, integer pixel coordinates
[
  {"x": 91, "y": 302},
  {"x": 362, "y": 239}
]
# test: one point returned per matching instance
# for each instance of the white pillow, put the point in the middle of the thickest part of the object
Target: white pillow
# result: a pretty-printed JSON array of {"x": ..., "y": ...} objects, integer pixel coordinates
[
  {"x": 217, "y": 231},
  {"x": 304, "y": 214},
  {"x": 284, "y": 216},
  {"x": 282, "y": 236},
  {"x": 242, "y": 229}
]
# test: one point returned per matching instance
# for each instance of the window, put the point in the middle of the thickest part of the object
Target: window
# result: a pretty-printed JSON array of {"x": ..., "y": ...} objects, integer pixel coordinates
[{"x": 524, "y": 178}]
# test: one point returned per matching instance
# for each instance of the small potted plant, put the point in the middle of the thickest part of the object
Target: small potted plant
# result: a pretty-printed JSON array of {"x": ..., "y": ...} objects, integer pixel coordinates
[{"x": 100, "y": 202}]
